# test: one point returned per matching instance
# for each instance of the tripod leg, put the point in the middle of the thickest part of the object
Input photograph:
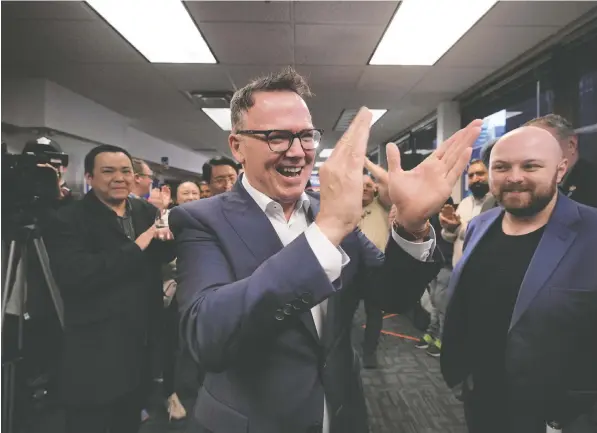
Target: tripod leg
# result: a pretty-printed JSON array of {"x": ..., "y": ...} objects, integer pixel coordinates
[
  {"x": 44, "y": 261},
  {"x": 8, "y": 401},
  {"x": 10, "y": 268}
]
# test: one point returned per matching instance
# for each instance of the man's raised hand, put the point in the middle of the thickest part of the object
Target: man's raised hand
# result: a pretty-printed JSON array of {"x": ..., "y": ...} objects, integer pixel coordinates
[
  {"x": 341, "y": 181},
  {"x": 421, "y": 192}
]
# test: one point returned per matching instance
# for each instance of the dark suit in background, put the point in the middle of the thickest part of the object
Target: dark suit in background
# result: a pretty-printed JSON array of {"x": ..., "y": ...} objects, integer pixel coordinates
[
  {"x": 550, "y": 353},
  {"x": 112, "y": 292},
  {"x": 245, "y": 304},
  {"x": 580, "y": 184}
]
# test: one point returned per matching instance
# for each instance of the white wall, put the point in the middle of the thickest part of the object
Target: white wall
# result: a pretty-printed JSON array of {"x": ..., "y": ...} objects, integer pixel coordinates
[{"x": 81, "y": 124}]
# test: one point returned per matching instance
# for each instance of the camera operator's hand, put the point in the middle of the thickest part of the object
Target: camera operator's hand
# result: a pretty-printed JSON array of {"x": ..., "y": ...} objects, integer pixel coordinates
[
  {"x": 146, "y": 237},
  {"x": 60, "y": 191}
]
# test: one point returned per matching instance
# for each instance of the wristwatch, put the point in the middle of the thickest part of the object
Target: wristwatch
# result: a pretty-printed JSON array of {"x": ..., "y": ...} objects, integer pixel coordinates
[{"x": 419, "y": 235}]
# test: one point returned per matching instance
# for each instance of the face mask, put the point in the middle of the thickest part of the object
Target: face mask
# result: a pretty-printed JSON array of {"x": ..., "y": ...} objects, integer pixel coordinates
[{"x": 479, "y": 189}]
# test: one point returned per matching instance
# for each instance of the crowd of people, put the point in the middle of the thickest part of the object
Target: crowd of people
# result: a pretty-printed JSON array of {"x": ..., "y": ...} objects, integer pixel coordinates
[{"x": 252, "y": 278}]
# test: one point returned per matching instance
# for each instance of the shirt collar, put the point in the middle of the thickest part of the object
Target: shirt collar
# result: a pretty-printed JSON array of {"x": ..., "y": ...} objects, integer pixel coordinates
[{"x": 263, "y": 201}]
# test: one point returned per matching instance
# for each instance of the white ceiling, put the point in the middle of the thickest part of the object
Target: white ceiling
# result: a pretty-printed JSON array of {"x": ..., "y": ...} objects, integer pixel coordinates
[{"x": 330, "y": 42}]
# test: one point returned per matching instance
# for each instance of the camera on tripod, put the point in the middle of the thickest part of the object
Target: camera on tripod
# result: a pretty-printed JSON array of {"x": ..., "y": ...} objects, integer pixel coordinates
[
  {"x": 32, "y": 176},
  {"x": 31, "y": 301}
]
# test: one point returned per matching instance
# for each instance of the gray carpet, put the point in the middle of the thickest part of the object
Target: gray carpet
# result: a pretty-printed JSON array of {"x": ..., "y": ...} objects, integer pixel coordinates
[{"x": 406, "y": 393}]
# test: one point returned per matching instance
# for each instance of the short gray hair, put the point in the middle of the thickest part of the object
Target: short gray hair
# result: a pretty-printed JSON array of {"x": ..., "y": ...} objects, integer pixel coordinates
[
  {"x": 560, "y": 124},
  {"x": 286, "y": 80}
]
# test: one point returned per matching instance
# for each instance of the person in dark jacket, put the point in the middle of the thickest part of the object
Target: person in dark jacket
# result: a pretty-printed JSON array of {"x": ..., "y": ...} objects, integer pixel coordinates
[
  {"x": 522, "y": 317},
  {"x": 106, "y": 255}
]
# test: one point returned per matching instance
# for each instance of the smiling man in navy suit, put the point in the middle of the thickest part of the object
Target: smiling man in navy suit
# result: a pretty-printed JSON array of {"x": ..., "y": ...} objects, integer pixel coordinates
[
  {"x": 270, "y": 276},
  {"x": 521, "y": 326}
]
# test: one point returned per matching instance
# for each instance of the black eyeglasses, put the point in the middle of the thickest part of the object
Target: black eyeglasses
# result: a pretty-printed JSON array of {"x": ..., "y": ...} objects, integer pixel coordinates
[{"x": 280, "y": 140}]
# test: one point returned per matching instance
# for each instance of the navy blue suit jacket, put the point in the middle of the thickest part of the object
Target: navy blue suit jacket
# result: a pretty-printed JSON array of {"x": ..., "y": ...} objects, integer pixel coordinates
[
  {"x": 245, "y": 302},
  {"x": 551, "y": 355}
]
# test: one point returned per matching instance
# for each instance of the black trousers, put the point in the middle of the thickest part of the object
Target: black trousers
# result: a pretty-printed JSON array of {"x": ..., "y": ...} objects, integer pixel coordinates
[
  {"x": 122, "y": 415},
  {"x": 372, "y": 328},
  {"x": 488, "y": 410}
]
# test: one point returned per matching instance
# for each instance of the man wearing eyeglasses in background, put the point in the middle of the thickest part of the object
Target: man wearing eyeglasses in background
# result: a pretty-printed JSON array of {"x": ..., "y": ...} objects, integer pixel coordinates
[
  {"x": 143, "y": 179},
  {"x": 270, "y": 276},
  {"x": 220, "y": 174}
]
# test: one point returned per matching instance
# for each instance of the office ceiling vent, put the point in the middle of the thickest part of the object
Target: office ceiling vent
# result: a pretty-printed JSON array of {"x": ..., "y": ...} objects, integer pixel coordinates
[
  {"x": 218, "y": 99},
  {"x": 345, "y": 118}
]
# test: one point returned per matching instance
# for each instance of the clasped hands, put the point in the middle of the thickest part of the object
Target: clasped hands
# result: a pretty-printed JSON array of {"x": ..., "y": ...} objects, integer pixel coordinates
[{"x": 416, "y": 194}]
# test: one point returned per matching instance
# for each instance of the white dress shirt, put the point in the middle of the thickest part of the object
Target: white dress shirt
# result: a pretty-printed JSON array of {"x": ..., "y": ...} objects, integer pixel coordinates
[{"x": 332, "y": 259}]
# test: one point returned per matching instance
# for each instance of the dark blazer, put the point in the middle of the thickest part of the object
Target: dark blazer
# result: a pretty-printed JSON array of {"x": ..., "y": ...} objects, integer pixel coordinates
[
  {"x": 551, "y": 355},
  {"x": 111, "y": 292},
  {"x": 245, "y": 302},
  {"x": 581, "y": 183}
]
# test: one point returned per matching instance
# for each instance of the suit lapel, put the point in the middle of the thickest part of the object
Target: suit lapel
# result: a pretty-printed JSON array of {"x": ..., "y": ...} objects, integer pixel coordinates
[
  {"x": 330, "y": 304},
  {"x": 307, "y": 317},
  {"x": 555, "y": 242},
  {"x": 252, "y": 225}
]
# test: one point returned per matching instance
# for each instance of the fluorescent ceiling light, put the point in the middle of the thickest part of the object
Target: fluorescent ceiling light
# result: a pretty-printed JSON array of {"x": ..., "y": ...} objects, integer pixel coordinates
[
  {"x": 220, "y": 116},
  {"x": 163, "y": 31},
  {"x": 318, "y": 164},
  {"x": 325, "y": 153},
  {"x": 376, "y": 115},
  {"x": 422, "y": 31}
]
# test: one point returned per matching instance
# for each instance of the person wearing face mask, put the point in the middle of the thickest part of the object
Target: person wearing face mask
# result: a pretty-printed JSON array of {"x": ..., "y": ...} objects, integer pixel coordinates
[
  {"x": 453, "y": 221},
  {"x": 521, "y": 324}
]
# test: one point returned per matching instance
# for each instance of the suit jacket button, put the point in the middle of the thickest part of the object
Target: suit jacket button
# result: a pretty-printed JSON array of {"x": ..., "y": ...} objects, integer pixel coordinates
[
  {"x": 287, "y": 309},
  {"x": 297, "y": 304},
  {"x": 279, "y": 315},
  {"x": 307, "y": 298}
]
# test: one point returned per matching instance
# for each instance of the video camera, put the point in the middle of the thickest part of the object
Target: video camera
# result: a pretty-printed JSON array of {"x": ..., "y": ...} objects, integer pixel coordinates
[{"x": 30, "y": 179}]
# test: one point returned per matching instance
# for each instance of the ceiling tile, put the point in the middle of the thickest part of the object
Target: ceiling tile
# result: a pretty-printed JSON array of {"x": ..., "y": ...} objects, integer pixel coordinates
[
  {"x": 493, "y": 47},
  {"x": 439, "y": 79},
  {"x": 344, "y": 12},
  {"x": 331, "y": 77},
  {"x": 335, "y": 44},
  {"x": 196, "y": 77},
  {"x": 242, "y": 75},
  {"x": 244, "y": 11},
  {"x": 64, "y": 41},
  {"x": 250, "y": 43},
  {"x": 391, "y": 77},
  {"x": 536, "y": 13},
  {"x": 46, "y": 10}
]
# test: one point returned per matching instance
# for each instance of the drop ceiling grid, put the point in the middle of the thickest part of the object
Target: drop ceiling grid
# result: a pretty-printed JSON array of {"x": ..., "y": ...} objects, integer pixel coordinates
[{"x": 330, "y": 42}]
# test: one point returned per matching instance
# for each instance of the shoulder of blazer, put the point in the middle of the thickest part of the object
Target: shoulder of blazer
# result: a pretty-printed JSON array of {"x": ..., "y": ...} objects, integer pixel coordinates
[{"x": 588, "y": 215}]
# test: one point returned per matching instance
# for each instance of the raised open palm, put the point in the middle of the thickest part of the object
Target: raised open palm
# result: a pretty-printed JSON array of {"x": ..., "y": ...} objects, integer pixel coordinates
[{"x": 421, "y": 192}]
